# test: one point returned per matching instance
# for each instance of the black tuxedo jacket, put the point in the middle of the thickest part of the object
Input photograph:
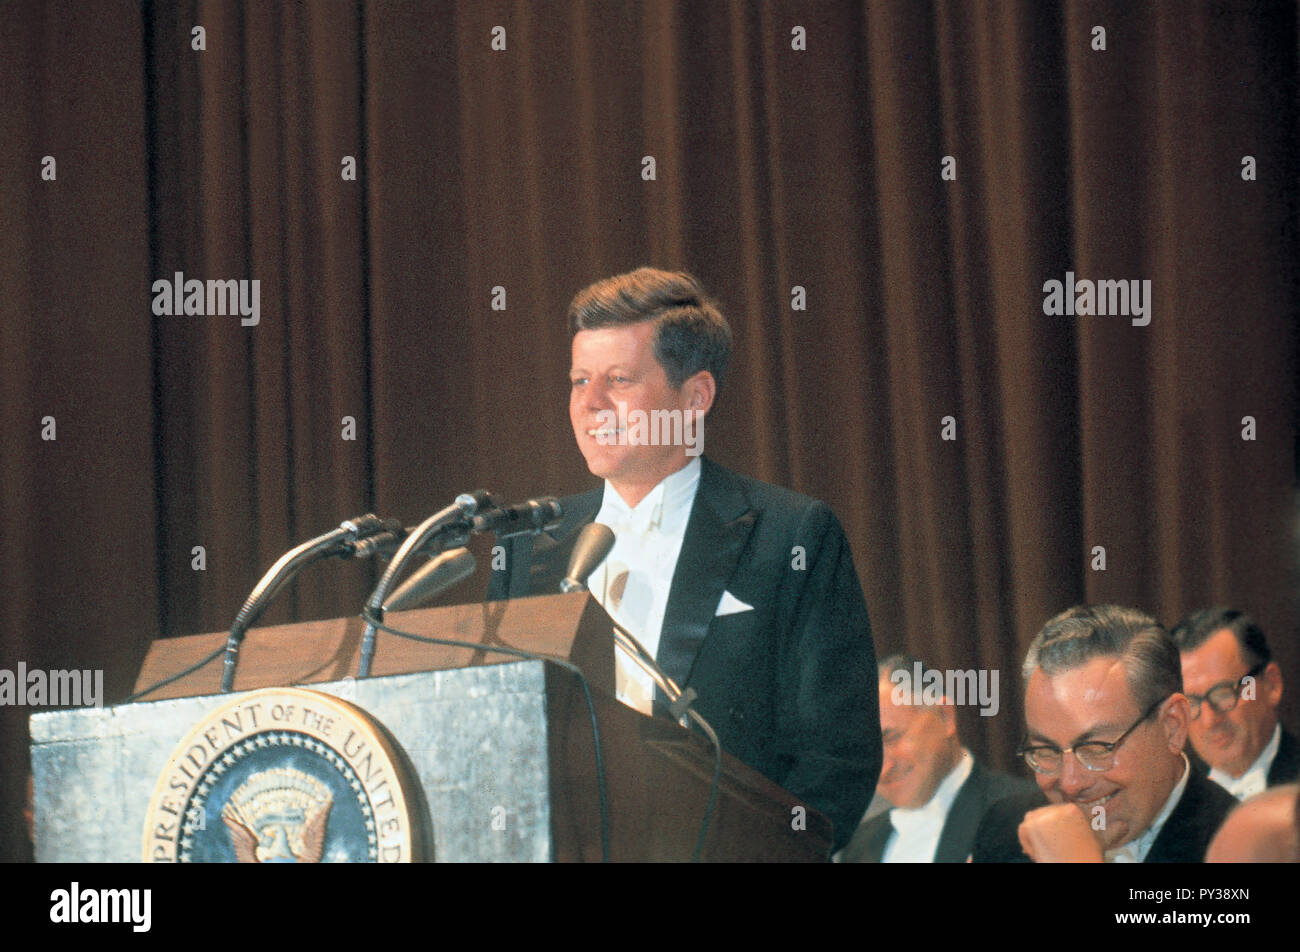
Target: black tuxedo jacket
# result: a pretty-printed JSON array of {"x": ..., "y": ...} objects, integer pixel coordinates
[
  {"x": 1284, "y": 769},
  {"x": 1286, "y": 765},
  {"x": 789, "y": 686},
  {"x": 1184, "y": 838},
  {"x": 981, "y": 790}
]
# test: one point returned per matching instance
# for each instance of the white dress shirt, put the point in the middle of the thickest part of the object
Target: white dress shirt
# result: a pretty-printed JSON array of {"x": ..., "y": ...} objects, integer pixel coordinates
[
  {"x": 1136, "y": 849},
  {"x": 915, "y": 836},
  {"x": 1255, "y": 779},
  {"x": 634, "y": 580}
]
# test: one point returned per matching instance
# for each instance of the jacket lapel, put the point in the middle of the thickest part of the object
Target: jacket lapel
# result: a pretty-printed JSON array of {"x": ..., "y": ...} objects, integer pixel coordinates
[
  {"x": 1194, "y": 820},
  {"x": 963, "y": 817},
  {"x": 877, "y": 838},
  {"x": 716, "y": 533},
  {"x": 1286, "y": 764}
]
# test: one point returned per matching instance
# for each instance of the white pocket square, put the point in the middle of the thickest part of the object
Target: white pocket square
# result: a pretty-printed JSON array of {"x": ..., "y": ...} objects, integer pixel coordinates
[{"x": 731, "y": 605}]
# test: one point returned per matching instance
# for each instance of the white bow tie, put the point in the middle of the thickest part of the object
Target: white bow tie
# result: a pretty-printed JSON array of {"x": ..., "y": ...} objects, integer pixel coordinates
[{"x": 626, "y": 521}]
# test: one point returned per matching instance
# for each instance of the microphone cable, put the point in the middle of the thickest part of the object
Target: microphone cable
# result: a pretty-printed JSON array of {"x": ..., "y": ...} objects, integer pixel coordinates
[{"x": 175, "y": 677}]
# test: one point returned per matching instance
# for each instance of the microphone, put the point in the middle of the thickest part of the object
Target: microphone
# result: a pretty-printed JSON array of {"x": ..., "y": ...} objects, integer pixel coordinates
[
  {"x": 381, "y": 543},
  {"x": 455, "y": 517},
  {"x": 593, "y": 545},
  {"x": 535, "y": 515},
  {"x": 362, "y": 527},
  {"x": 434, "y": 577},
  {"x": 340, "y": 541}
]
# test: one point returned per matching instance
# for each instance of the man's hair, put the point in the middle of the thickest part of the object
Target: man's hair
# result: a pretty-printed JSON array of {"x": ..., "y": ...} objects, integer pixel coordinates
[
  {"x": 1197, "y": 628},
  {"x": 1152, "y": 666},
  {"x": 690, "y": 332}
]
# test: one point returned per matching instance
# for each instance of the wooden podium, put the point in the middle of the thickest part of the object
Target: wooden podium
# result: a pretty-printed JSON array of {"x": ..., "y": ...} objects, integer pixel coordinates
[{"x": 503, "y": 747}]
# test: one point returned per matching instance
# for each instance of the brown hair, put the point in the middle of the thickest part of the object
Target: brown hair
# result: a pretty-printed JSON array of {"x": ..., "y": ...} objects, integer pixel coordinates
[{"x": 690, "y": 334}]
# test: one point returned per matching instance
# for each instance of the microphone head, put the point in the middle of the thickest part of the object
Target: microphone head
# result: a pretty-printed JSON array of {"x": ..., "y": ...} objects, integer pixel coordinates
[
  {"x": 593, "y": 545},
  {"x": 368, "y": 525},
  {"x": 384, "y": 544},
  {"x": 432, "y": 578},
  {"x": 532, "y": 517},
  {"x": 477, "y": 501},
  {"x": 547, "y": 512}
]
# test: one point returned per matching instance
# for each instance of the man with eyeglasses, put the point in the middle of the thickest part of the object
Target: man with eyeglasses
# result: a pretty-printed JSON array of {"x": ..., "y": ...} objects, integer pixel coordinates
[
  {"x": 1234, "y": 688},
  {"x": 1106, "y": 722}
]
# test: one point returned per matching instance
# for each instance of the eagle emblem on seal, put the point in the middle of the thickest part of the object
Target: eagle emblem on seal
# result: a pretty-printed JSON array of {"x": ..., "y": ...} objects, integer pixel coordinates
[{"x": 278, "y": 816}]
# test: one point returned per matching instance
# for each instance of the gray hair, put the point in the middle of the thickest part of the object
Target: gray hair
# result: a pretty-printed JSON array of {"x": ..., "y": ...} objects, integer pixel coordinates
[{"x": 1152, "y": 666}]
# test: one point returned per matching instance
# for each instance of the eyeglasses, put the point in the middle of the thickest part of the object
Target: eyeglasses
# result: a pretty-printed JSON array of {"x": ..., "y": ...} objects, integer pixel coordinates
[
  {"x": 1093, "y": 755},
  {"x": 1225, "y": 696}
]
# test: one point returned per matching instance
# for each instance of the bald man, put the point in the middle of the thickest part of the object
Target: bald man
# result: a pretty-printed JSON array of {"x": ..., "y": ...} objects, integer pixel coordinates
[{"x": 938, "y": 791}]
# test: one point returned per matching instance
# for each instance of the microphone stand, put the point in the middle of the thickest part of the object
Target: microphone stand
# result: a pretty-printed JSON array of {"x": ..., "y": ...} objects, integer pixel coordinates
[
  {"x": 336, "y": 542},
  {"x": 455, "y": 517}
]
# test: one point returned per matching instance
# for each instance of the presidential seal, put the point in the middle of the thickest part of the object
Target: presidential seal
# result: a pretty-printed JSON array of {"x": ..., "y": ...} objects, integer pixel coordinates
[{"x": 287, "y": 775}]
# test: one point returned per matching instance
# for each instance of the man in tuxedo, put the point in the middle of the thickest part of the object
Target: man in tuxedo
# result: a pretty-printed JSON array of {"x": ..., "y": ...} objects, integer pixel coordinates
[
  {"x": 938, "y": 791},
  {"x": 1234, "y": 687},
  {"x": 1107, "y": 721},
  {"x": 742, "y": 591}
]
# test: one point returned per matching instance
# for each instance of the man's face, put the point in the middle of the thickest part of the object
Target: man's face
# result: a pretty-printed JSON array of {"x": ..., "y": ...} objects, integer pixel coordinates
[
  {"x": 920, "y": 745},
  {"x": 612, "y": 366},
  {"x": 1230, "y": 741},
  {"x": 1093, "y": 703}
]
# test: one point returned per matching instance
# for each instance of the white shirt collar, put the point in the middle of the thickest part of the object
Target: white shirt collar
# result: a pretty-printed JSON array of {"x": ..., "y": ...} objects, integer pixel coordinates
[
  {"x": 1136, "y": 849},
  {"x": 934, "y": 812},
  {"x": 1255, "y": 779},
  {"x": 667, "y": 504}
]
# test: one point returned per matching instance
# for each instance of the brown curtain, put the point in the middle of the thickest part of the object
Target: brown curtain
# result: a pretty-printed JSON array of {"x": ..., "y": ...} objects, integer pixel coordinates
[{"x": 522, "y": 169}]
